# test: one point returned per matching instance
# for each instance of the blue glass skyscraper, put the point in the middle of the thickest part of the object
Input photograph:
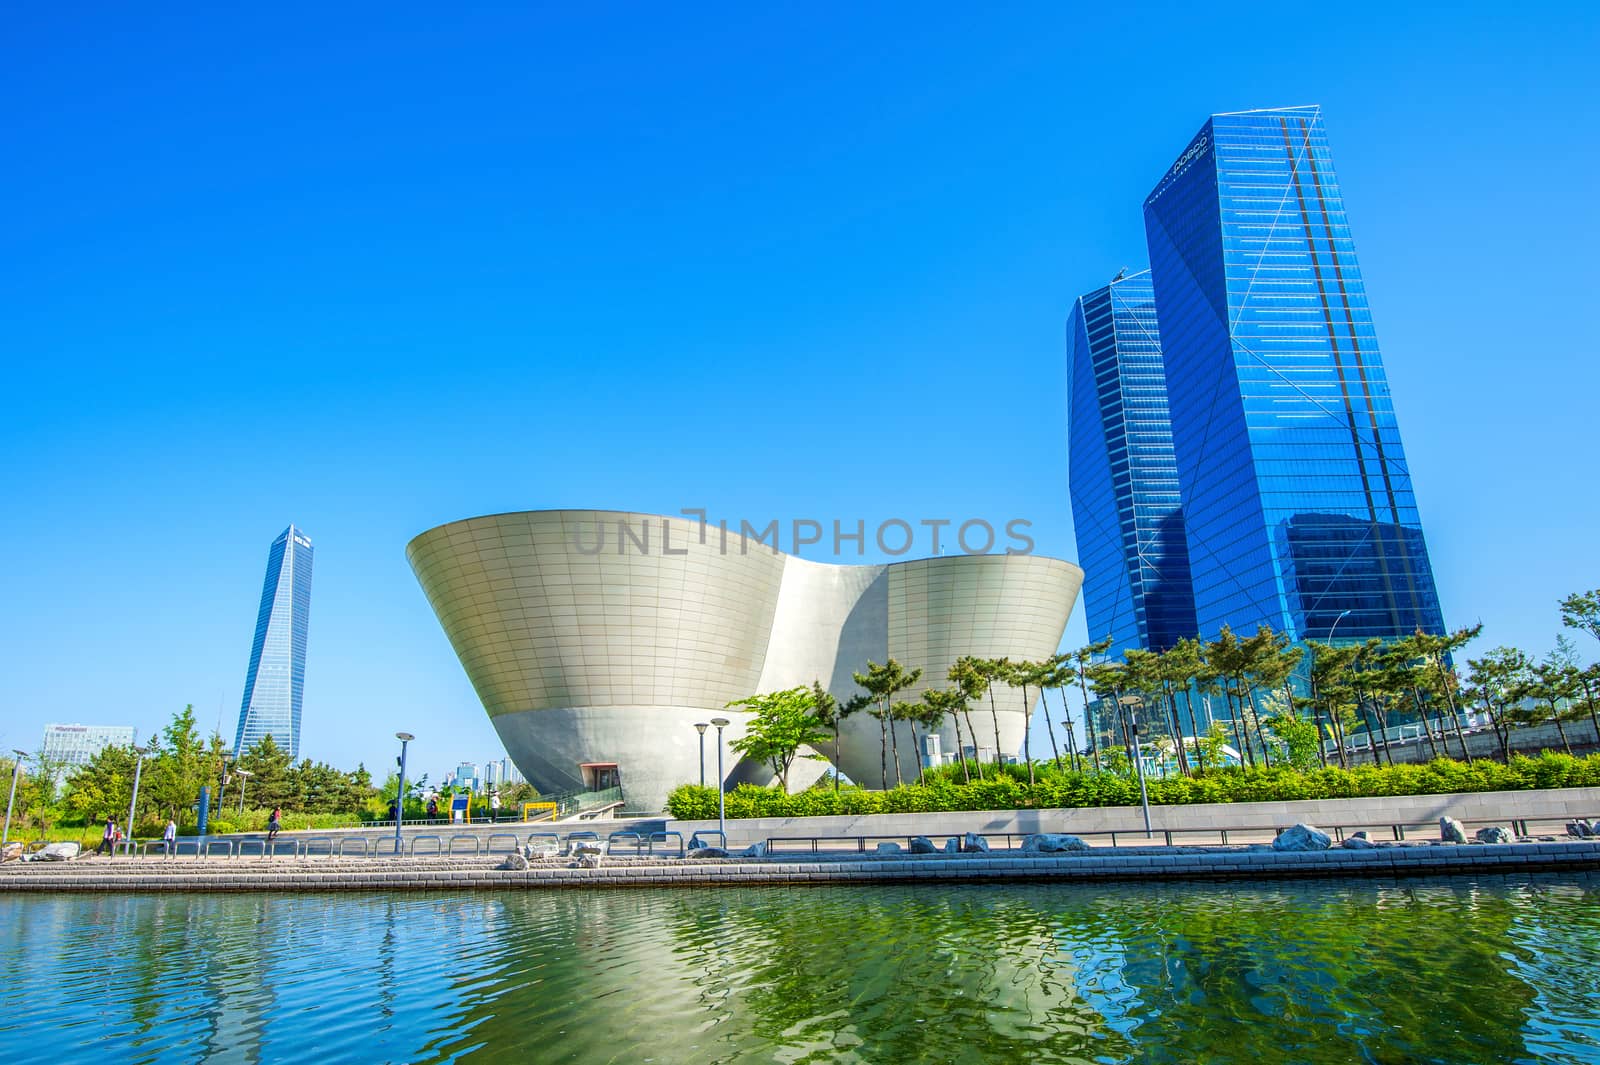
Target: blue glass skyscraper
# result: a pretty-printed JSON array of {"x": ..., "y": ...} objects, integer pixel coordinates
[
  {"x": 1296, "y": 496},
  {"x": 1124, "y": 479},
  {"x": 275, "y": 681}
]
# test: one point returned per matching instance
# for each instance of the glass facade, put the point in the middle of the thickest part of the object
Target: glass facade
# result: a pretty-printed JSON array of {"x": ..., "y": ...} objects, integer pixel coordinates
[
  {"x": 1123, "y": 476},
  {"x": 275, "y": 680},
  {"x": 1296, "y": 495},
  {"x": 75, "y": 745}
]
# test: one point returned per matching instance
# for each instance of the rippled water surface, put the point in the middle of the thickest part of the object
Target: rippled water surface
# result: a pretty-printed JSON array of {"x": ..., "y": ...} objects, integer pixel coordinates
[{"x": 1450, "y": 970}]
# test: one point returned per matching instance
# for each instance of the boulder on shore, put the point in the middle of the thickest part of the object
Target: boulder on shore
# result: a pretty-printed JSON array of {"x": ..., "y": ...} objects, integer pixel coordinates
[
  {"x": 1496, "y": 834},
  {"x": 952, "y": 845},
  {"x": 755, "y": 850},
  {"x": 1052, "y": 843},
  {"x": 1302, "y": 837},
  {"x": 888, "y": 848},
  {"x": 1451, "y": 830},
  {"x": 972, "y": 843},
  {"x": 1580, "y": 828},
  {"x": 708, "y": 852},
  {"x": 1358, "y": 842},
  {"x": 923, "y": 845},
  {"x": 515, "y": 862}
]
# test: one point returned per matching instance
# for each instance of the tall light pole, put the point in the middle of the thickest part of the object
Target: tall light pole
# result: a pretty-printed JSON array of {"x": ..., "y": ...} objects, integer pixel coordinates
[
  {"x": 138, "y": 768},
  {"x": 722, "y": 816},
  {"x": 244, "y": 776},
  {"x": 1312, "y": 684},
  {"x": 1130, "y": 701},
  {"x": 222, "y": 788},
  {"x": 1335, "y": 625},
  {"x": 700, "y": 727},
  {"x": 16, "y": 769},
  {"x": 400, "y": 792}
]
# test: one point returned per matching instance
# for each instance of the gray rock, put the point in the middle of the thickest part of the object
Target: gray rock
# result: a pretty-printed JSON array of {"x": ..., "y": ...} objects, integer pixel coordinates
[
  {"x": 1450, "y": 830},
  {"x": 952, "y": 845},
  {"x": 536, "y": 851},
  {"x": 888, "y": 848},
  {"x": 1580, "y": 828},
  {"x": 923, "y": 845},
  {"x": 708, "y": 852},
  {"x": 1497, "y": 834},
  {"x": 1302, "y": 837},
  {"x": 1052, "y": 843},
  {"x": 514, "y": 861},
  {"x": 1358, "y": 842},
  {"x": 972, "y": 843},
  {"x": 590, "y": 861},
  {"x": 755, "y": 850}
]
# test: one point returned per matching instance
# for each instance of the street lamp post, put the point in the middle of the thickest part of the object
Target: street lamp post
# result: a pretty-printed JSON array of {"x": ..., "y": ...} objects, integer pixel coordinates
[
  {"x": 722, "y": 816},
  {"x": 222, "y": 787},
  {"x": 138, "y": 768},
  {"x": 244, "y": 776},
  {"x": 1130, "y": 701},
  {"x": 1311, "y": 681},
  {"x": 400, "y": 792},
  {"x": 700, "y": 727},
  {"x": 16, "y": 770}
]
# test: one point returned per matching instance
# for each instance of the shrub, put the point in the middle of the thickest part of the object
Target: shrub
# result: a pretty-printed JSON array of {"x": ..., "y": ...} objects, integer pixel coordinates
[{"x": 1008, "y": 788}]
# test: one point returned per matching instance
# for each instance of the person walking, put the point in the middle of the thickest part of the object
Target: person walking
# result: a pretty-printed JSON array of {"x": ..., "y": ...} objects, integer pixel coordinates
[
  {"x": 274, "y": 823},
  {"x": 169, "y": 837},
  {"x": 108, "y": 839}
]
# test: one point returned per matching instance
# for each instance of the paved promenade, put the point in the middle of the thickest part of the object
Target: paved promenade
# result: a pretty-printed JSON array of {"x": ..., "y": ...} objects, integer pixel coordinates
[{"x": 331, "y": 873}]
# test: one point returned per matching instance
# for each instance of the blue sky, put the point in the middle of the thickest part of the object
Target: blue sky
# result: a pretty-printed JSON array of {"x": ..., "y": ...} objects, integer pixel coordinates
[{"x": 372, "y": 268}]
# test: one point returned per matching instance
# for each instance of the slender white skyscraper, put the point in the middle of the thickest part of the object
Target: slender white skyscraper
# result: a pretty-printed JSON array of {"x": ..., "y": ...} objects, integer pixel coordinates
[{"x": 275, "y": 681}]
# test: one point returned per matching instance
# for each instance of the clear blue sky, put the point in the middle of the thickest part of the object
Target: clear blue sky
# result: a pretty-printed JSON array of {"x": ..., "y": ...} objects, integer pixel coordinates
[{"x": 369, "y": 269}]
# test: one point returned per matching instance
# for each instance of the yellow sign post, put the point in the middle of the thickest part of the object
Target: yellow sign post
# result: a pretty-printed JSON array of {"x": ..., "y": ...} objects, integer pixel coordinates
[{"x": 529, "y": 807}]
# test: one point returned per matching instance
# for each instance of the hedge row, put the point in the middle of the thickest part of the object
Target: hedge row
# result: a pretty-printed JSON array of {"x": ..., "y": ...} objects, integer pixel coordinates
[{"x": 1066, "y": 789}]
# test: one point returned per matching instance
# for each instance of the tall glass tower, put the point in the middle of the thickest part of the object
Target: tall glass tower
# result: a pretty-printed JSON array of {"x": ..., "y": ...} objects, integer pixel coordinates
[
  {"x": 276, "y": 679},
  {"x": 1123, "y": 476},
  {"x": 1296, "y": 495}
]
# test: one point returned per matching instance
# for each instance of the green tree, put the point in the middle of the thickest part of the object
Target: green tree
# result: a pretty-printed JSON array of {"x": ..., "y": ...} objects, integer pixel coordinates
[
  {"x": 970, "y": 683},
  {"x": 103, "y": 786},
  {"x": 1333, "y": 692},
  {"x": 1058, "y": 674},
  {"x": 1301, "y": 739},
  {"x": 989, "y": 670},
  {"x": 1022, "y": 676},
  {"x": 270, "y": 783},
  {"x": 831, "y": 714},
  {"x": 1081, "y": 660},
  {"x": 940, "y": 703},
  {"x": 882, "y": 684},
  {"x": 178, "y": 768},
  {"x": 1581, "y": 611},
  {"x": 780, "y": 724}
]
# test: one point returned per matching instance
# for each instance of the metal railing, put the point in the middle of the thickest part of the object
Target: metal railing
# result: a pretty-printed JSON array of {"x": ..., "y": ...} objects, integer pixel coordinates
[{"x": 1226, "y": 836}]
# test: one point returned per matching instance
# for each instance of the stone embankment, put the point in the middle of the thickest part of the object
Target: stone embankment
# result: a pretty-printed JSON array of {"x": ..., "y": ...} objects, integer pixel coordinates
[{"x": 1305, "y": 852}]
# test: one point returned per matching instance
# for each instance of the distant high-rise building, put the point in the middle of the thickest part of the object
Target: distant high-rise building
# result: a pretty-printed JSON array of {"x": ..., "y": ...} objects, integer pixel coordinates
[
  {"x": 274, "y": 683},
  {"x": 1296, "y": 496},
  {"x": 1123, "y": 477},
  {"x": 74, "y": 745}
]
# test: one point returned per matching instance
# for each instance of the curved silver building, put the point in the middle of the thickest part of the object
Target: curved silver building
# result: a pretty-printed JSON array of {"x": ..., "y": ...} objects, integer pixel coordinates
[{"x": 596, "y": 639}]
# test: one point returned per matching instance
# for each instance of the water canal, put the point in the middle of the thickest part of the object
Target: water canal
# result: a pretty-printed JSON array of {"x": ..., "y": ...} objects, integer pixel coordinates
[{"x": 1468, "y": 969}]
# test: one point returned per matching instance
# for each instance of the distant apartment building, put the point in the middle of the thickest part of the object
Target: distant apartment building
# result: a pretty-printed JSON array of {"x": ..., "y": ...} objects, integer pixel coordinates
[
  {"x": 74, "y": 745},
  {"x": 275, "y": 680}
]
